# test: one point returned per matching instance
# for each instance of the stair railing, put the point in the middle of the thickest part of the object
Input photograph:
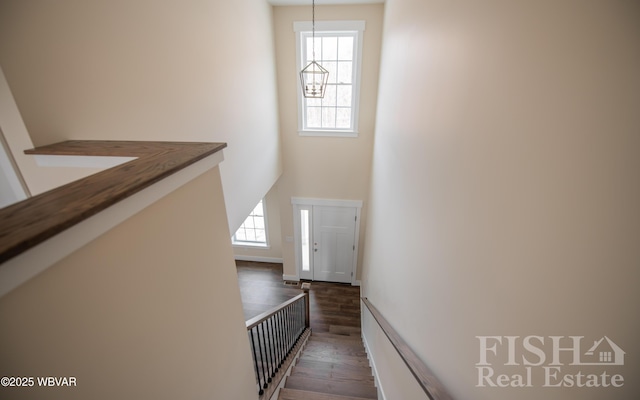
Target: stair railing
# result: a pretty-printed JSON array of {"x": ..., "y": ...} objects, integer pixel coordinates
[
  {"x": 429, "y": 383},
  {"x": 274, "y": 334}
]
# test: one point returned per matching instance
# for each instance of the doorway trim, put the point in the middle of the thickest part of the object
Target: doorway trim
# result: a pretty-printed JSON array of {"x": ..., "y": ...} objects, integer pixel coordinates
[{"x": 305, "y": 203}]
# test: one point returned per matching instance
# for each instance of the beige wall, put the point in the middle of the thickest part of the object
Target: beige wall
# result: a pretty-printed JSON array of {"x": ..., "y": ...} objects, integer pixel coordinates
[
  {"x": 151, "y": 309},
  {"x": 505, "y": 190},
  {"x": 324, "y": 167},
  {"x": 274, "y": 252},
  {"x": 174, "y": 70},
  {"x": 35, "y": 179}
]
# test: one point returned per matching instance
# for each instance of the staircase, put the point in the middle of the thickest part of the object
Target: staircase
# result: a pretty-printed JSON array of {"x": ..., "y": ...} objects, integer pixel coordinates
[{"x": 332, "y": 366}]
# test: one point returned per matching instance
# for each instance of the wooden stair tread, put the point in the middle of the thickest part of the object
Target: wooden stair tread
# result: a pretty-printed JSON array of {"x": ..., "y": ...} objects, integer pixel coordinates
[
  {"x": 334, "y": 351},
  {"x": 355, "y": 389},
  {"x": 340, "y": 375},
  {"x": 335, "y": 358},
  {"x": 332, "y": 337},
  {"x": 326, "y": 366},
  {"x": 338, "y": 344},
  {"x": 295, "y": 394}
]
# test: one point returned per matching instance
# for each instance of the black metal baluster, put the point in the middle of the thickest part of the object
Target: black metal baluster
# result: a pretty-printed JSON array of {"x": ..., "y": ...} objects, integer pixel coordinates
[
  {"x": 274, "y": 364},
  {"x": 293, "y": 327},
  {"x": 268, "y": 348},
  {"x": 299, "y": 318},
  {"x": 294, "y": 324},
  {"x": 276, "y": 323},
  {"x": 255, "y": 362},
  {"x": 301, "y": 305},
  {"x": 264, "y": 374},
  {"x": 287, "y": 330},
  {"x": 266, "y": 359},
  {"x": 301, "y": 315},
  {"x": 283, "y": 345},
  {"x": 297, "y": 321},
  {"x": 265, "y": 339}
]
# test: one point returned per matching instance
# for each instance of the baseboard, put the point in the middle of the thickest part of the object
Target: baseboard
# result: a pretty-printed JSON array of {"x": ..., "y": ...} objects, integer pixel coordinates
[
  {"x": 259, "y": 259},
  {"x": 294, "y": 278},
  {"x": 372, "y": 363}
]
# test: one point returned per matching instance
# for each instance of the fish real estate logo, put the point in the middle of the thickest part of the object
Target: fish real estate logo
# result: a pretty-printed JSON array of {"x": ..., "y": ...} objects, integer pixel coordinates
[{"x": 548, "y": 361}]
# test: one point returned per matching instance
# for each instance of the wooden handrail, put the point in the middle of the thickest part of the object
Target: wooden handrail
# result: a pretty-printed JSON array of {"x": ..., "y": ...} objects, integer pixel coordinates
[
  {"x": 265, "y": 315},
  {"x": 32, "y": 221},
  {"x": 427, "y": 380}
]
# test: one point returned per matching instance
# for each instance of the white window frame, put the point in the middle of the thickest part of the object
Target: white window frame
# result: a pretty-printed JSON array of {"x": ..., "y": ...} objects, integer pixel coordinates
[
  {"x": 242, "y": 243},
  {"x": 327, "y": 27}
]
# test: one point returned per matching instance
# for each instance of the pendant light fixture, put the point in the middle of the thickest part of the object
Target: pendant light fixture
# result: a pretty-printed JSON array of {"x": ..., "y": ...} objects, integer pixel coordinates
[{"x": 314, "y": 77}]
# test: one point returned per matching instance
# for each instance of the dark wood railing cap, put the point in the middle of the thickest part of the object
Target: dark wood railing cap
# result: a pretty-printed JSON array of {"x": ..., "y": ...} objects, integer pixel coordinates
[
  {"x": 255, "y": 321},
  {"x": 432, "y": 387},
  {"x": 30, "y": 222}
]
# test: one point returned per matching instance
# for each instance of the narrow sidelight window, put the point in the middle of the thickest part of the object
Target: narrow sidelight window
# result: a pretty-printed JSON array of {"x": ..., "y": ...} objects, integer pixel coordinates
[{"x": 305, "y": 239}]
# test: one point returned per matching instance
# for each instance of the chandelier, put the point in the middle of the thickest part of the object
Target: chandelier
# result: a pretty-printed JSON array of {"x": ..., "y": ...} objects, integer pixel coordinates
[{"x": 314, "y": 77}]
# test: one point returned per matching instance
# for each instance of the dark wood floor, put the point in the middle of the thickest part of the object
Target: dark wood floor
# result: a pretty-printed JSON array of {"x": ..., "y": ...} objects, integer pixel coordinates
[
  {"x": 334, "y": 361},
  {"x": 262, "y": 288}
]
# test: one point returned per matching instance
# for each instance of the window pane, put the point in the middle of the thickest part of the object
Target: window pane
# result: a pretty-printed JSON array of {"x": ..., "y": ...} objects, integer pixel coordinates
[
  {"x": 345, "y": 48},
  {"x": 329, "y": 48},
  {"x": 328, "y": 117},
  {"x": 251, "y": 235},
  {"x": 345, "y": 72},
  {"x": 332, "y": 67},
  {"x": 259, "y": 223},
  {"x": 304, "y": 239},
  {"x": 241, "y": 235},
  {"x": 314, "y": 102},
  {"x": 344, "y": 96},
  {"x": 260, "y": 235},
  {"x": 314, "y": 117},
  {"x": 343, "y": 118},
  {"x": 329, "y": 96},
  {"x": 248, "y": 223},
  {"x": 310, "y": 48},
  {"x": 309, "y": 52}
]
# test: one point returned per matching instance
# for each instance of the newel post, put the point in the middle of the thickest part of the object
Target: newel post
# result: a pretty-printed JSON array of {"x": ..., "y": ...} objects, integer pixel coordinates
[{"x": 305, "y": 288}]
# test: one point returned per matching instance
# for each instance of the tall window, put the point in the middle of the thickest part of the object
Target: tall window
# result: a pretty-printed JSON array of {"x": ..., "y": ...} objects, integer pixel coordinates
[
  {"x": 253, "y": 231},
  {"x": 338, "y": 48}
]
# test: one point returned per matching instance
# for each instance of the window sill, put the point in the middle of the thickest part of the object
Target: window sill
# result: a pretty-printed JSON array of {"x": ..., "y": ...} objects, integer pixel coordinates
[
  {"x": 335, "y": 133},
  {"x": 250, "y": 245}
]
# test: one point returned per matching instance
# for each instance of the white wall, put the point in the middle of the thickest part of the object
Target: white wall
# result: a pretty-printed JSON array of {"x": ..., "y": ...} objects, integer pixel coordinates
[
  {"x": 147, "y": 70},
  {"x": 505, "y": 187},
  {"x": 324, "y": 167}
]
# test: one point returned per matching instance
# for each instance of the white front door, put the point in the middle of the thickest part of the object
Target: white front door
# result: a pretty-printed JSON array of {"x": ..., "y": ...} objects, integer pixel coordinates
[
  {"x": 333, "y": 243},
  {"x": 326, "y": 238}
]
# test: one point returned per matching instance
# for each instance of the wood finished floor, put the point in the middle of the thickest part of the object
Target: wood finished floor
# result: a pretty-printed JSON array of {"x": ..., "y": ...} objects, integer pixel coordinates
[{"x": 333, "y": 364}]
